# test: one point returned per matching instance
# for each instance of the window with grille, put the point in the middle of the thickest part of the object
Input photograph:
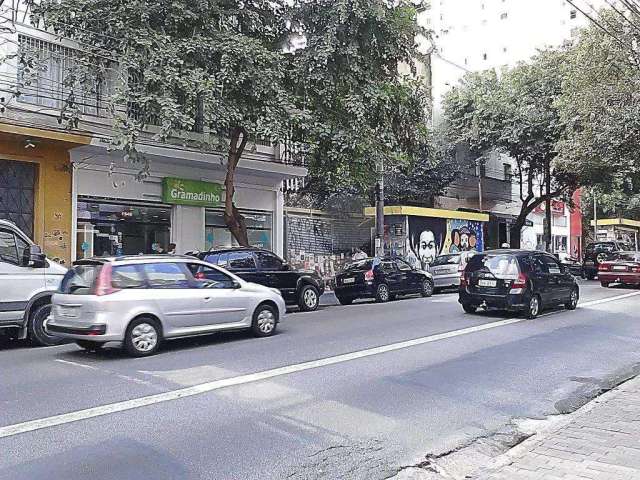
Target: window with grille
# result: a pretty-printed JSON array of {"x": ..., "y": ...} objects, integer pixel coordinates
[{"x": 58, "y": 73}]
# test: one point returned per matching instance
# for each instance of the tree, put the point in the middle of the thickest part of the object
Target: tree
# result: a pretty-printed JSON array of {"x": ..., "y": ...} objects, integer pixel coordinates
[
  {"x": 185, "y": 65},
  {"x": 516, "y": 113},
  {"x": 600, "y": 102},
  {"x": 359, "y": 83},
  {"x": 425, "y": 177}
]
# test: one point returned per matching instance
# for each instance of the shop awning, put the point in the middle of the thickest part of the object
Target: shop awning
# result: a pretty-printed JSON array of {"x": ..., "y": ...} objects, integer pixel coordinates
[
  {"x": 429, "y": 212},
  {"x": 622, "y": 222}
]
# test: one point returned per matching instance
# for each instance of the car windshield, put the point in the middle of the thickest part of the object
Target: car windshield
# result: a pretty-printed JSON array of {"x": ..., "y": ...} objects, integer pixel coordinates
[
  {"x": 501, "y": 266},
  {"x": 446, "y": 260},
  {"x": 79, "y": 279},
  {"x": 628, "y": 256}
]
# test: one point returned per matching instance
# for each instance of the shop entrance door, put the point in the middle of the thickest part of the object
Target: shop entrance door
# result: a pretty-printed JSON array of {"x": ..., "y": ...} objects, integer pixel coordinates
[{"x": 17, "y": 184}]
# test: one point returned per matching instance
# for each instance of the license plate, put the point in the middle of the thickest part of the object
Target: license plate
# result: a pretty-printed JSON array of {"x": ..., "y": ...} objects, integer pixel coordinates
[
  {"x": 589, "y": 262},
  {"x": 68, "y": 312},
  {"x": 487, "y": 283},
  {"x": 619, "y": 267},
  {"x": 349, "y": 280}
]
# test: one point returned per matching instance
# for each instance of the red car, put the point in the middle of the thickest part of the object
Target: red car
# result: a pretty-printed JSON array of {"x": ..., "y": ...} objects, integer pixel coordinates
[{"x": 623, "y": 268}]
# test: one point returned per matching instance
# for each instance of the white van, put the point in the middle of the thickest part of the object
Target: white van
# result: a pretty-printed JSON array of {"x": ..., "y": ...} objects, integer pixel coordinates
[{"x": 27, "y": 282}]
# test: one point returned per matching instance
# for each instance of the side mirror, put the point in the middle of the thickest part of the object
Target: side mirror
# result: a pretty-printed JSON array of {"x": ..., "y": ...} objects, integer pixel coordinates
[
  {"x": 236, "y": 285},
  {"x": 33, "y": 257},
  {"x": 286, "y": 267}
]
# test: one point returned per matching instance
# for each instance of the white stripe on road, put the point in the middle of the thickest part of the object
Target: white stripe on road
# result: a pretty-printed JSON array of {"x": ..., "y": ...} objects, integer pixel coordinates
[
  {"x": 76, "y": 364},
  {"x": 32, "y": 425},
  {"x": 610, "y": 299}
]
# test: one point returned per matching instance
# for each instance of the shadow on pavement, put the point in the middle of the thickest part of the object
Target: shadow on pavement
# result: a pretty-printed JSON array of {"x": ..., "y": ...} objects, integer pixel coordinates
[{"x": 117, "y": 458}]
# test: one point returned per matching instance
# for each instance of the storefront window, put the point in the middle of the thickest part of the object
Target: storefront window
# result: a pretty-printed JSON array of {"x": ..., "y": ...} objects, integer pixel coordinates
[
  {"x": 560, "y": 244},
  {"x": 259, "y": 229},
  {"x": 110, "y": 228}
]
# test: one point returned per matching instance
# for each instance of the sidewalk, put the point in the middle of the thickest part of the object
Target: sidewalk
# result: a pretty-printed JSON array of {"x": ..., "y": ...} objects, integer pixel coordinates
[{"x": 599, "y": 441}]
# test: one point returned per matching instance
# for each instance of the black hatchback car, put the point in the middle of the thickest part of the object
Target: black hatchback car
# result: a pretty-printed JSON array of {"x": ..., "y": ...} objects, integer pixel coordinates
[
  {"x": 382, "y": 279},
  {"x": 298, "y": 287},
  {"x": 598, "y": 252},
  {"x": 518, "y": 281}
]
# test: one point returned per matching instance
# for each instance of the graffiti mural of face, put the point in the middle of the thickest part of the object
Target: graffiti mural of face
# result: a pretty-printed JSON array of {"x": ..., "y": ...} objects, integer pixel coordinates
[
  {"x": 464, "y": 242},
  {"x": 427, "y": 249}
]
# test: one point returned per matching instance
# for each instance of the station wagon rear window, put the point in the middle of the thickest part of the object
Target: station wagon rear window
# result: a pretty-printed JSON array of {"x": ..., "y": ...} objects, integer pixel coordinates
[
  {"x": 80, "y": 278},
  {"x": 446, "y": 260}
]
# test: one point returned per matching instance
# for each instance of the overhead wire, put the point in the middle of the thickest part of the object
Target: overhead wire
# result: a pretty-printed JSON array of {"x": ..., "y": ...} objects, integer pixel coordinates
[
  {"x": 596, "y": 23},
  {"x": 620, "y": 13}
]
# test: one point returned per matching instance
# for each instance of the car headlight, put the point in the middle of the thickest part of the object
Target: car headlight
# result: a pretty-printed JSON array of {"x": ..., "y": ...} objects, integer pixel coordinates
[{"x": 276, "y": 291}]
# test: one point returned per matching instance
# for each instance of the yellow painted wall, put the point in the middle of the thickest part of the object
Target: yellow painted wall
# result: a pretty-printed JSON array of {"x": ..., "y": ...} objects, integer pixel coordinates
[{"x": 52, "y": 209}]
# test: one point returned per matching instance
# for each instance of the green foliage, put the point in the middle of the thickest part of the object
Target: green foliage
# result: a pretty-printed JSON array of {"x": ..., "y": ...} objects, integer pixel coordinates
[
  {"x": 228, "y": 66},
  {"x": 432, "y": 170},
  {"x": 600, "y": 106},
  {"x": 516, "y": 113},
  {"x": 362, "y": 111},
  {"x": 176, "y": 57}
]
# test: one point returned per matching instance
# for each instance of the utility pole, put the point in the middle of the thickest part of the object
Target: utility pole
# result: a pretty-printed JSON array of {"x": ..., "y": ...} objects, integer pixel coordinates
[
  {"x": 379, "y": 247},
  {"x": 547, "y": 210},
  {"x": 595, "y": 217},
  {"x": 480, "y": 160}
]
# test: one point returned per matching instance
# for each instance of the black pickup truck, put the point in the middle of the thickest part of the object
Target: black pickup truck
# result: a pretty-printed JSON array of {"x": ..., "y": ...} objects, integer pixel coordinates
[{"x": 298, "y": 287}]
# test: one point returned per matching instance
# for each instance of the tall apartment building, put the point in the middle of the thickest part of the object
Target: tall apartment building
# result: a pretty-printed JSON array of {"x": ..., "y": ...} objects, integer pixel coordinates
[
  {"x": 475, "y": 35},
  {"x": 77, "y": 198}
]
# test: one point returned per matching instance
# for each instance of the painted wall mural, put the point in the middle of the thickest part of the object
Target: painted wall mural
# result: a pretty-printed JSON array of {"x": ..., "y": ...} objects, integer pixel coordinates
[{"x": 429, "y": 237}]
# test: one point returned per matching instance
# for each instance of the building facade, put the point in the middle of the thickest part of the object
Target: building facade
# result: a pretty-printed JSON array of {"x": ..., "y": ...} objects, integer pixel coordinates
[{"x": 77, "y": 197}]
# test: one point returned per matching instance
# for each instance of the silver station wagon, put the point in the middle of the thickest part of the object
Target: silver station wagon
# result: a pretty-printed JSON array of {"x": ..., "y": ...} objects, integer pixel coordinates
[
  {"x": 139, "y": 301},
  {"x": 446, "y": 269}
]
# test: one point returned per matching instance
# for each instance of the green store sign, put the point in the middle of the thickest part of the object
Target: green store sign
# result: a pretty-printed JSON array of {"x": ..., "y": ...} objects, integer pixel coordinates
[{"x": 179, "y": 191}]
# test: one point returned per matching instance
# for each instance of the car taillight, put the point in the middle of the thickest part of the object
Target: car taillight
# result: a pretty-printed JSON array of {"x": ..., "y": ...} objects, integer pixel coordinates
[
  {"x": 635, "y": 269},
  {"x": 103, "y": 282},
  {"x": 603, "y": 267},
  {"x": 368, "y": 275},
  {"x": 519, "y": 284},
  {"x": 464, "y": 282}
]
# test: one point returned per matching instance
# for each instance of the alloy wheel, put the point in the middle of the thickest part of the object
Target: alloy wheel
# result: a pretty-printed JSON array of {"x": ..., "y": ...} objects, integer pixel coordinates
[
  {"x": 574, "y": 298},
  {"x": 427, "y": 288},
  {"x": 310, "y": 298},
  {"x": 383, "y": 293},
  {"x": 144, "y": 337},
  {"x": 534, "y": 306},
  {"x": 266, "y": 321}
]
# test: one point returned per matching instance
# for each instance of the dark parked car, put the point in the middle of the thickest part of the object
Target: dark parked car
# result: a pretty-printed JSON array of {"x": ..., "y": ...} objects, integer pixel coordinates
[
  {"x": 518, "y": 281},
  {"x": 381, "y": 279},
  {"x": 572, "y": 264},
  {"x": 298, "y": 287},
  {"x": 597, "y": 253}
]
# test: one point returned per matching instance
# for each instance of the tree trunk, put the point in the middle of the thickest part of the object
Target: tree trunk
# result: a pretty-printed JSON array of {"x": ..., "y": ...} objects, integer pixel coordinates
[
  {"x": 547, "y": 210},
  {"x": 516, "y": 234},
  {"x": 232, "y": 217},
  {"x": 525, "y": 210}
]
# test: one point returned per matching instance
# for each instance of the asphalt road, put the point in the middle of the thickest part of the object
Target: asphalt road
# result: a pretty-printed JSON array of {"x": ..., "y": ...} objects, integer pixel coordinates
[{"x": 343, "y": 392}]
